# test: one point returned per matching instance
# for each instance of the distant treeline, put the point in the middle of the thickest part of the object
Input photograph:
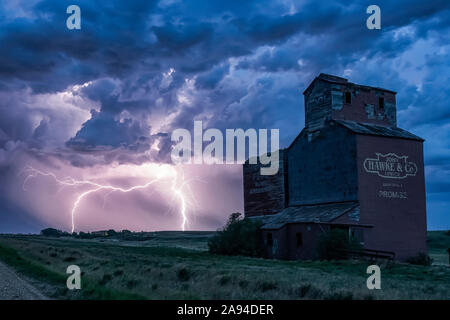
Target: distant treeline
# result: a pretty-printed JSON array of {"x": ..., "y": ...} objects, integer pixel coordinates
[{"x": 122, "y": 235}]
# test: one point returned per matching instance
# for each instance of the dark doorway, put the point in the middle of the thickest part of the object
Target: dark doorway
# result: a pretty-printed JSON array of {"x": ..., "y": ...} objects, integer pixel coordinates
[
  {"x": 269, "y": 239},
  {"x": 348, "y": 97},
  {"x": 299, "y": 239},
  {"x": 381, "y": 102}
]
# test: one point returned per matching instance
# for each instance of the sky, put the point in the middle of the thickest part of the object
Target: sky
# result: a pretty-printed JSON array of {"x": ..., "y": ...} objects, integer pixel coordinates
[{"x": 85, "y": 111}]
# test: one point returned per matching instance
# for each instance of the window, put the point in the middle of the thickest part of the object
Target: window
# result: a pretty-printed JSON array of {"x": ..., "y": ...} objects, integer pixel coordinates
[
  {"x": 348, "y": 97},
  {"x": 299, "y": 239},
  {"x": 381, "y": 102},
  {"x": 269, "y": 239}
]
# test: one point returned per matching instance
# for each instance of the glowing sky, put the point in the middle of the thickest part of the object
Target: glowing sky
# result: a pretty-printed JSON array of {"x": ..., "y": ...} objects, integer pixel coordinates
[{"x": 99, "y": 104}]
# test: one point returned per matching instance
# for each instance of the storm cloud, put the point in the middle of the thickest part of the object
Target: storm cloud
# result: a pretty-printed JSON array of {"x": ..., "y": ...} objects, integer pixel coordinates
[{"x": 112, "y": 93}]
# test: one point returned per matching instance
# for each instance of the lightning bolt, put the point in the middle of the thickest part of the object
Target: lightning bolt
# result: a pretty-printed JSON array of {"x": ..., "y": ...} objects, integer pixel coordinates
[{"x": 176, "y": 188}]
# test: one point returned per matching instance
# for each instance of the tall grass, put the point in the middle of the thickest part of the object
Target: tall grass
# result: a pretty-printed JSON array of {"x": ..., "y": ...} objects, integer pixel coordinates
[
  {"x": 133, "y": 271},
  {"x": 40, "y": 273}
]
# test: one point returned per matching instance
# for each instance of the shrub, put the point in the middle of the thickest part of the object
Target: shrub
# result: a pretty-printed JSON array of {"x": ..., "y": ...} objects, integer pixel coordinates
[
  {"x": 267, "y": 285},
  {"x": 240, "y": 236},
  {"x": 69, "y": 259},
  {"x": 132, "y": 283},
  {"x": 303, "y": 290},
  {"x": 224, "y": 280},
  {"x": 447, "y": 232},
  {"x": 334, "y": 244},
  {"x": 309, "y": 291},
  {"x": 421, "y": 259},
  {"x": 111, "y": 233},
  {"x": 183, "y": 274},
  {"x": 51, "y": 232},
  {"x": 118, "y": 273},
  {"x": 85, "y": 235},
  {"x": 106, "y": 278}
]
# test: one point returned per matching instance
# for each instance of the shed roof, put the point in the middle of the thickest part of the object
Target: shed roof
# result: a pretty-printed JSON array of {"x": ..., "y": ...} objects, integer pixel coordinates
[
  {"x": 320, "y": 213},
  {"x": 377, "y": 130}
]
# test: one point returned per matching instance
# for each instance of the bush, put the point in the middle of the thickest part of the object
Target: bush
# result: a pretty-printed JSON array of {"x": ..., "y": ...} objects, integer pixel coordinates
[
  {"x": 106, "y": 278},
  {"x": 267, "y": 285},
  {"x": 183, "y": 274},
  {"x": 421, "y": 259},
  {"x": 240, "y": 236},
  {"x": 51, "y": 232},
  {"x": 303, "y": 290},
  {"x": 132, "y": 283},
  {"x": 69, "y": 259},
  {"x": 85, "y": 235},
  {"x": 334, "y": 244},
  {"x": 118, "y": 273},
  {"x": 111, "y": 233},
  {"x": 447, "y": 233},
  {"x": 224, "y": 280},
  {"x": 309, "y": 291}
]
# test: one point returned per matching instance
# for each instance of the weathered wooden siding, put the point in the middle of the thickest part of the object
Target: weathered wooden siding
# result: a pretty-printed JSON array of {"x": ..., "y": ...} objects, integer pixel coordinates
[
  {"x": 318, "y": 106},
  {"x": 324, "y": 169},
  {"x": 264, "y": 194},
  {"x": 325, "y": 100}
]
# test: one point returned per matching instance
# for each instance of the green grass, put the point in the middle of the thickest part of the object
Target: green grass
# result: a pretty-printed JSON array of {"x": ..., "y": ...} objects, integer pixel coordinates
[
  {"x": 29, "y": 268},
  {"x": 37, "y": 271},
  {"x": 438, "y": 243},
  {"x": 175, "y": 265}
]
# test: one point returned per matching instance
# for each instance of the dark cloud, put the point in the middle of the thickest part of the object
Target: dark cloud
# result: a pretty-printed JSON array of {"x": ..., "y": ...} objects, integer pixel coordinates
[
  {"x": 139, "y": 69},
  {"x": 102, "y": 130},
  {"x": 210, "y": 79}
]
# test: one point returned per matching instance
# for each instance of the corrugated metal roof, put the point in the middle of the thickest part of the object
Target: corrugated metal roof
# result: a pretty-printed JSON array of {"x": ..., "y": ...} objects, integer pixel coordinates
[
  {"x": 310, "y": 213},
  {"x": 377, "y": 130}
]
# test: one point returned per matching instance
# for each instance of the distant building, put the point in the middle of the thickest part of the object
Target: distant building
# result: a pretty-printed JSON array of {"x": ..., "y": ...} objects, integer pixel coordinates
[
  {"x": 100, "y": 233},
  {"x": 351, "y": 167}
]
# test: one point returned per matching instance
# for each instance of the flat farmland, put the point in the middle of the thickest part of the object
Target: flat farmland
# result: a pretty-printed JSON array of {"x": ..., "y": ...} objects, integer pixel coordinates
[{"x": 177, "y": 265}]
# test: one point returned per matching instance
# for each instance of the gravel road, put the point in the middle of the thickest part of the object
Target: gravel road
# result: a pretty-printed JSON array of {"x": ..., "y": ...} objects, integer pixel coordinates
[{"x": 12, "y": 287}]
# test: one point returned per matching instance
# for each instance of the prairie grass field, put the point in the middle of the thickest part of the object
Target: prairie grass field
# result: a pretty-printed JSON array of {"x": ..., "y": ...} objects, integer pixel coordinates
[{"x": 177, "y": 265}]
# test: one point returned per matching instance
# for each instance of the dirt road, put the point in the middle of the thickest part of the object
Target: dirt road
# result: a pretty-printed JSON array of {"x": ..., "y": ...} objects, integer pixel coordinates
[{"x": 12, "y": 287}]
